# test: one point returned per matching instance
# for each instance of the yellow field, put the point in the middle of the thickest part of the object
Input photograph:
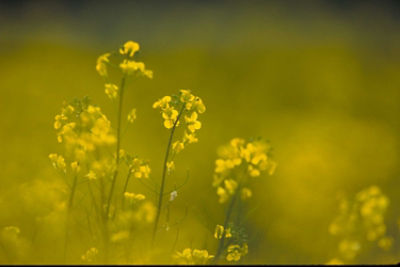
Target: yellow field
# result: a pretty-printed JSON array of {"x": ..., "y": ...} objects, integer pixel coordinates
[{"x": 318, "y": 83}]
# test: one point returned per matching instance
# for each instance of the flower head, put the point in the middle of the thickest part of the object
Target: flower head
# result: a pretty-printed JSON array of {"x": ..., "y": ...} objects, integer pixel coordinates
[
  {"x": 101, "y": 65},
  {"x": 238, "y": 156},
  {"x": 129, "y": 48}
]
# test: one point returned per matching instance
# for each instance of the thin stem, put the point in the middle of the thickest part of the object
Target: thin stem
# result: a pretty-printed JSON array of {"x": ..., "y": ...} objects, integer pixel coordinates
[
  {"x": 161, "y": 193},
  {"x": 126, "y": 186},
  {"x": 117, "y": 157},
  {"x": 227, "y": 218},
  {"x": 69, "y": 208}
]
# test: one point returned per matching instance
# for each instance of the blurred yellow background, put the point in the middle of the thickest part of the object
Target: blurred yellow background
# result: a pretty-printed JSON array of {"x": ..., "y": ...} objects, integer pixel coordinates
[{"x": 321, "y": 81}]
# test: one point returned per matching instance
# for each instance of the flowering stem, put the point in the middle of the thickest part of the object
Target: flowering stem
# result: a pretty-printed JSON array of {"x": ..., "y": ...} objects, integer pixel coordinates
[
  {"x": 161, "y": 193},
  {"x": 117, "y": 155},
  {"x": 126, "y": 186},
  {"x": 70, "y": 202},
  {"x": 227, "y": 217}
]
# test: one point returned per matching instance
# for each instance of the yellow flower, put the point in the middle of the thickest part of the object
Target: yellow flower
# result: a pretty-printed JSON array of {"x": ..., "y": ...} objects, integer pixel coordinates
[
  {"x": 349, "y": 248},
  {"x": 132, "y": 115},
  {"x": 58, "y": 162},
  {"x": 385, "y": 243},
  {"x": 140, "y": 169},
  {"x": 199, "y": 106},
  {"x": 233, "y": 253},
  {"x": 91, "y": 175},
  {"x": 119, "y": 236},
  {"x": 195, "y": 256},
  {"x": 220, "y": 231},
  {"x": 190, "y": 138},
  {"x": 170, "y": 115},
  {"x": 90, "y": 255},
  {"x": 101, "y": 66},
  {"x": 230, "y": 186},
  {"x": 129, "y": 48},
  {"x": 133, "y": 196},
  {"x": 335, "y": 261},
  {"x": 223, "y": 195},
  {"x": 130, "y": 66},
  {"x": 162, "y": 103},
  {"x": 254, "y": 172},
  {"x": 170, "y": 166},
  {"x": 111, "y": 90},
  {"x": 75, "y": 166},
  {"x": 187, "y": 98},
  {"x": 192, "y": 122},
  {"x": 178, "y": 146},
  {"x": 246, "y": 193}
]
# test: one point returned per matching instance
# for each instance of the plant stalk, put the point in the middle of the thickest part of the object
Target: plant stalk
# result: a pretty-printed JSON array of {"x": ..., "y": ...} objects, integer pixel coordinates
[
  {"x": 117, "y": 154},
  {"x": 161, "y": 193}
]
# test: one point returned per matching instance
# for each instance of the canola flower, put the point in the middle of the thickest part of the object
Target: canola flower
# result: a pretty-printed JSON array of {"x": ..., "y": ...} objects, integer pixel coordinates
[
  {"x": 238, "y": 164},
  {"x": 177, "y": 110},
  {"x": 87, "y": 136},
  {"x": 89, "y": 140},
  {"x": 90, "y": 255},
  {"x": 359, "y": 221},
  {"x": 128, "y": 67},
  {"x": 192, "y": 256}
]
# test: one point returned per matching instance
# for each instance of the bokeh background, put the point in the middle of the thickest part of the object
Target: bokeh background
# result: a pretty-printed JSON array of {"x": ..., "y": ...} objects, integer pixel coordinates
[{"x": 319, "y": 79}]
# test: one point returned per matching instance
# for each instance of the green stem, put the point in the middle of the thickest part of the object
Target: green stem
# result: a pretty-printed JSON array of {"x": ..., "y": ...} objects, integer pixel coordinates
[
  {"x": 126, "y": 186},
  {"x": 117, "y": 157},
  {"x": 161, "y": 193},
  {"x": 69, "y": 208},
  {"x": 227, "y": 218}
]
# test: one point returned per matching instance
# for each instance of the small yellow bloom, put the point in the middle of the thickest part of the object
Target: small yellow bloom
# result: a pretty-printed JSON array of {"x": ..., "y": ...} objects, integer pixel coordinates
[
  {"x": 129, "y": 67},
  {"x": 111, "y": 90},
  {"x": 233, "y": 253},
  {"x": 119, "y": 236},
  {"x": 129, "y": 48},
  {"x": 385, "y": 243},
  {"x": 170, "y": 115},
  {"x": 162, "y": 103},
  {"x": 91, "y": 175},
  {"x": 230, "y": 186},
  {"x": 178, "y": 146},
  {"x": 58, "y": 162},
  {"x": 132, "y": 115},
  {"x": 170, "y": 166},
  {"x": 75, "y": 167},
  {"x": 220, "y": 231},
  {"x": 199, "y": 106},
  {"x": 190, "y": 138},
  {"x": 192, "y": 122},
  {"x": 101, "y": 66},
  {"x": 223, "y": 195},
  {"x": 133, "y": 196},
  {"x": 253, "y": 171},
  {"x": 335, "y": 261},
  {"x": 90, "y": 255},
  {"x": 246, "y": 193}
]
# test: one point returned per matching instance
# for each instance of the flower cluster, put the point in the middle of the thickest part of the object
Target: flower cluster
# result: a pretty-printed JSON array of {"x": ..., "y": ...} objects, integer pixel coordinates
[
  {"x": 83, "y": 128},
  {"x": 220, "y": 232},
  {"x": 192, "y": 256},
  {"x": 236, "y": 161},
  {"x": 127, "y": 65},
  {"x": 139, "y": 168},
  {"x": 235, "y": 252},
  {"x": 361, "y": 219},
  {"x": 182, "y": 109},
  {"x": 90, "y": 255}
]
